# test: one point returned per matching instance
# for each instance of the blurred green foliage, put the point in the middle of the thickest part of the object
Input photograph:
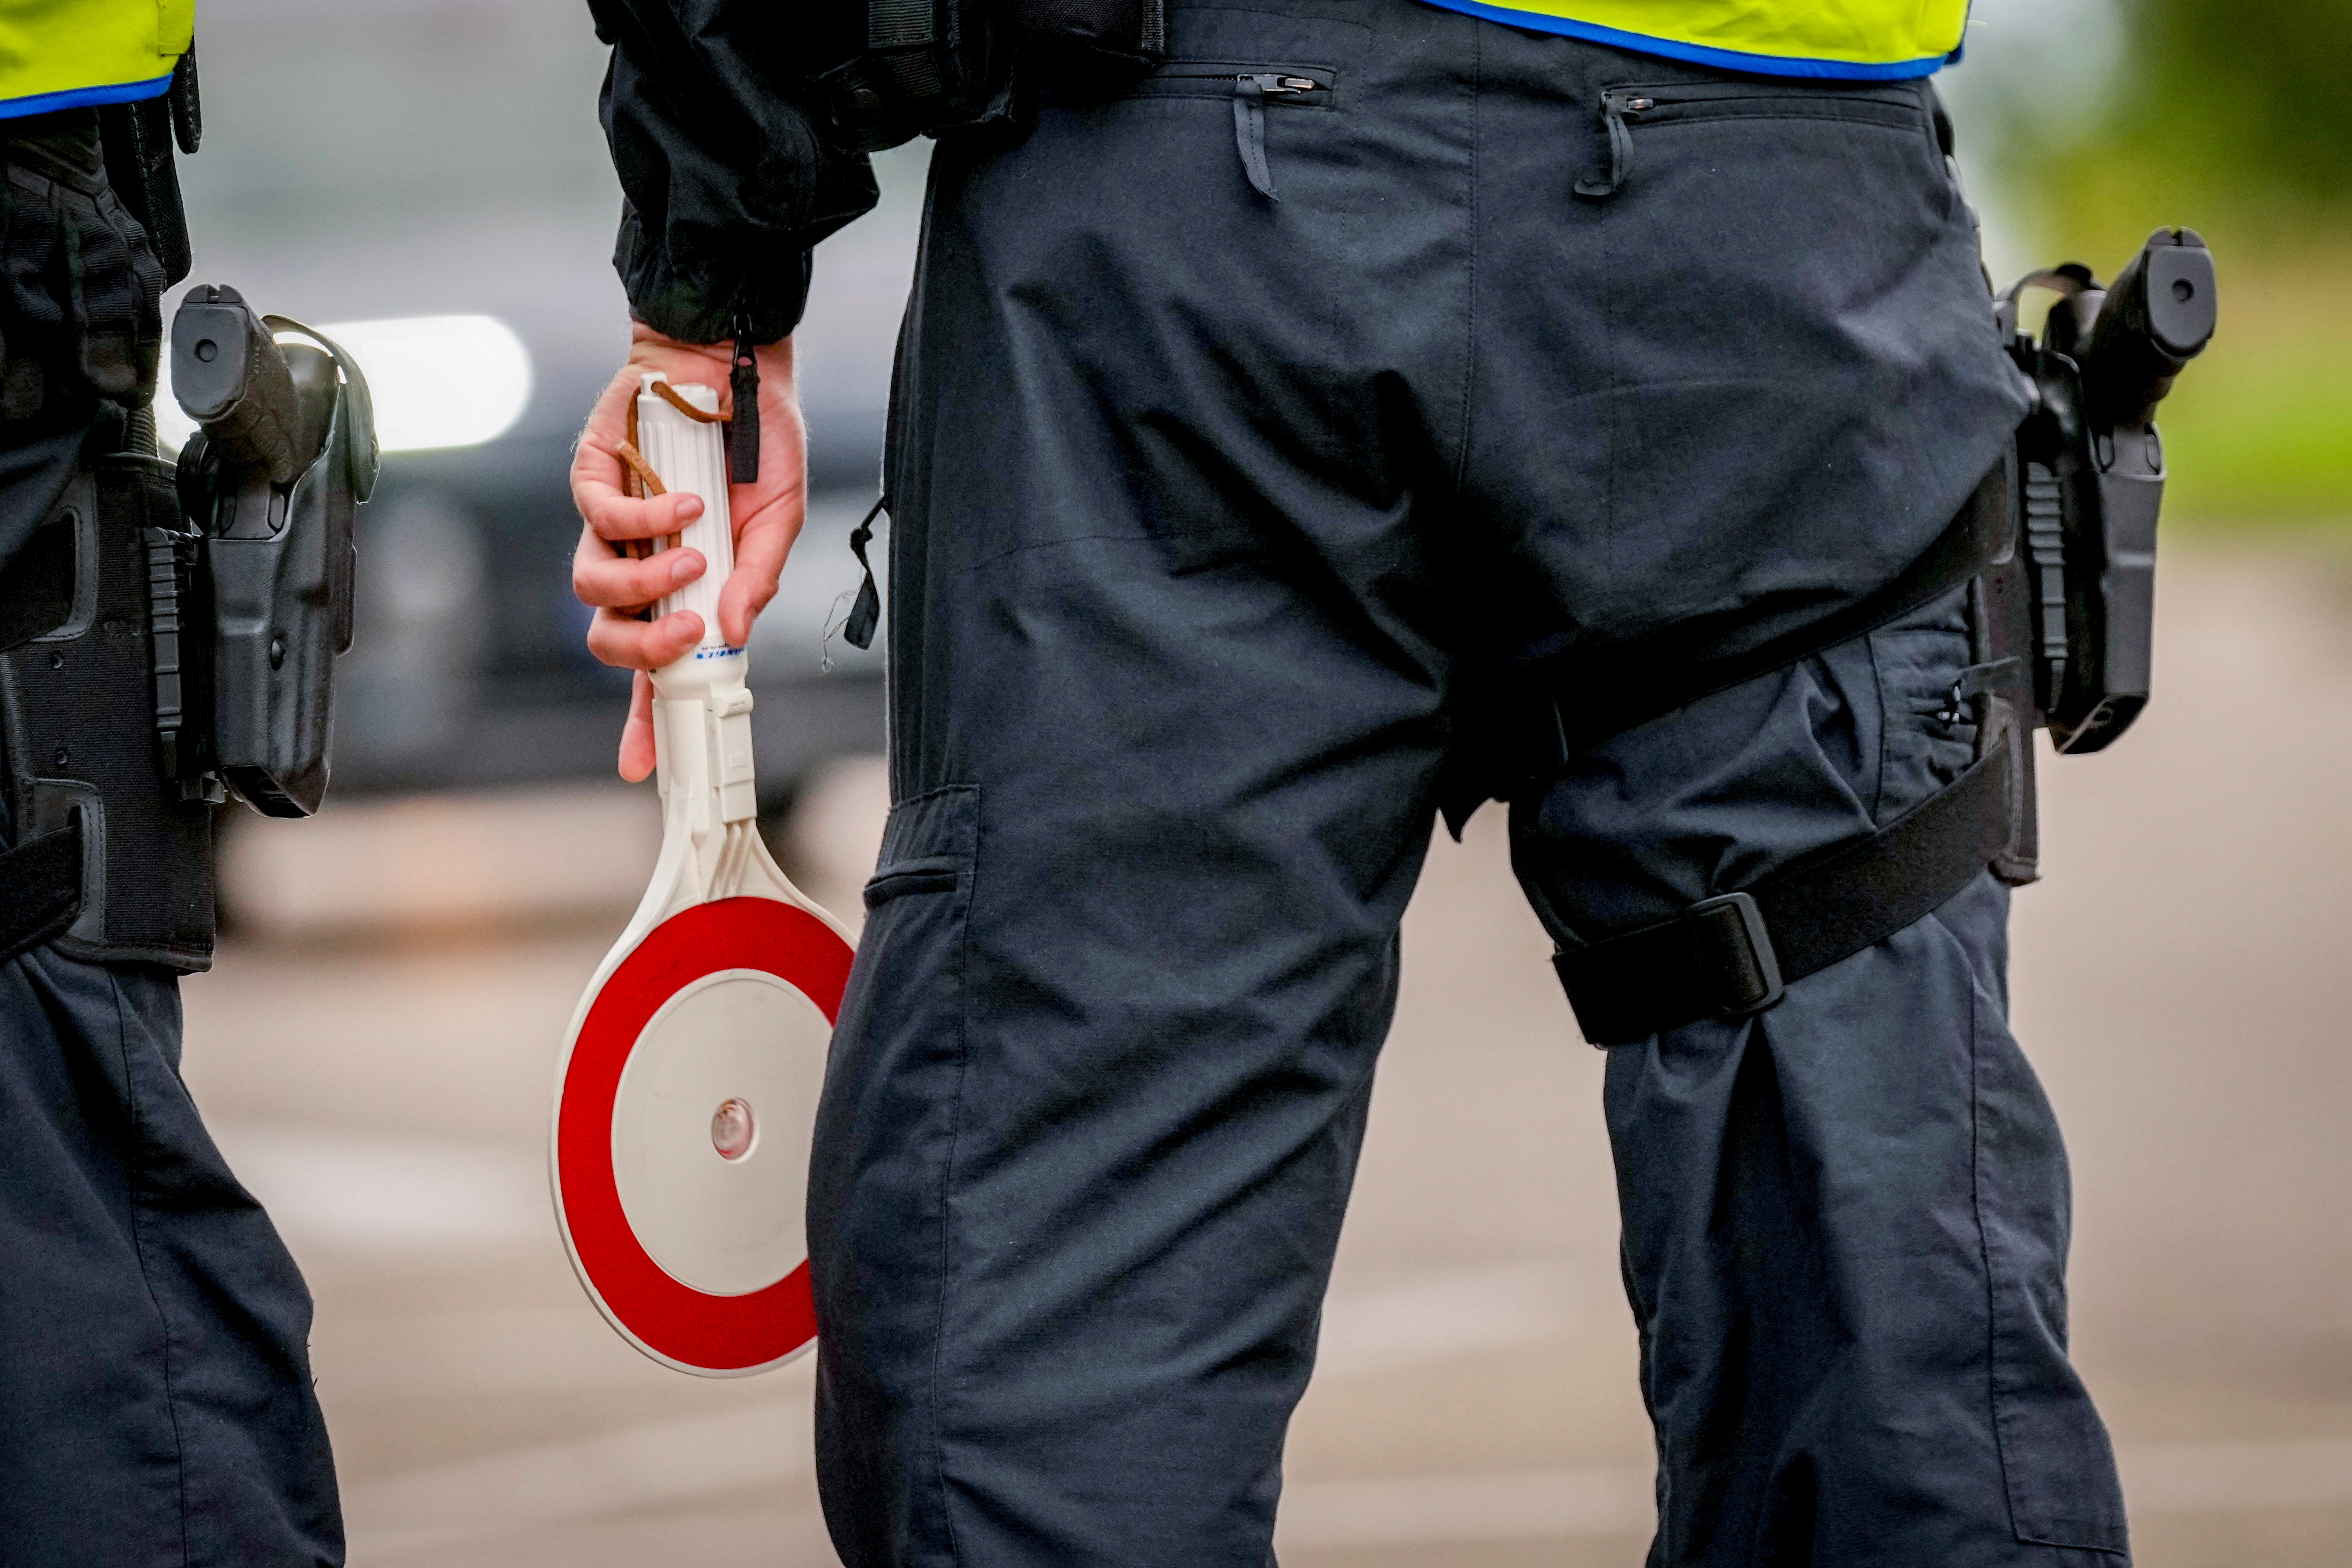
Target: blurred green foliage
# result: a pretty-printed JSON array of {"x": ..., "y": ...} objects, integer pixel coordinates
[{"x": 2233, "y": 117}]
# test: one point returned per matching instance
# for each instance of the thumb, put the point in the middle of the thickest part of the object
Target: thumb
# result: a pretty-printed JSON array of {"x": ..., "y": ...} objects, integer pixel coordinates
[{"x": 637, "y": 750}]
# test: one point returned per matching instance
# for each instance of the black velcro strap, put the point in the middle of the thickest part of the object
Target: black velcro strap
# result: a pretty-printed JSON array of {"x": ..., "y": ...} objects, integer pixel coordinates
[
  {"x": 37, "y": 592},
  {"x": 1639, "y": 680},
  {"x": 40, "y": 889},
  {"x": 1731, "y": 956},
  {"x": 901, "y": 23}
]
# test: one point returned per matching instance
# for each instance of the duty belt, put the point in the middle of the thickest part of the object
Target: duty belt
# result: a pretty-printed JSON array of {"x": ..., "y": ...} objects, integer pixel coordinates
[{"x": 112, "y": 862}]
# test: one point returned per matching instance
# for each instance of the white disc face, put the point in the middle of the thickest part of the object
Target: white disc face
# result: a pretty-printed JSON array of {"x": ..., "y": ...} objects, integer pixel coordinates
[{"x": 711, "y": 1130}]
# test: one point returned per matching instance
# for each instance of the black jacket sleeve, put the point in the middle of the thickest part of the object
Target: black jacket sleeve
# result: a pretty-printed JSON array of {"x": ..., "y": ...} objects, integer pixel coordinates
[{"x": 731, "y": 169}]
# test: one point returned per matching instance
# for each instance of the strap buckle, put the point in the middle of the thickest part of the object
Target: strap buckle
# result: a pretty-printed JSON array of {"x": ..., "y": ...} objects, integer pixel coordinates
[{"x": 1735, "y": 954}]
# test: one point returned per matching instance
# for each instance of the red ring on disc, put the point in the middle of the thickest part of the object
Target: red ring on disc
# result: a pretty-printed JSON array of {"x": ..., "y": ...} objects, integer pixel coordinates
[{"x": 728, "y": 1333}]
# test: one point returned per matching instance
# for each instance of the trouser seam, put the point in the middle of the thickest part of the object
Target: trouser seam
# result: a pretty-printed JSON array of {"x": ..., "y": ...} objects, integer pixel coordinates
[
  {"x": 139, "y": 1247},
  {"x": 947, "y": 1189},
  {"x": 1984, "y": 1241},
  {"x": 1470, "y": 280}
]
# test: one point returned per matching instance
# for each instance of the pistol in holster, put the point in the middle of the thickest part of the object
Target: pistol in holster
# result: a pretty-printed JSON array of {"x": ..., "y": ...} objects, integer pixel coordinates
[
  {"x": 284, "y": 454},
  {"x": 175, "y": 631},
  {"x": 2068, "y": 602},
  {"x": 2056, "y": 549}
]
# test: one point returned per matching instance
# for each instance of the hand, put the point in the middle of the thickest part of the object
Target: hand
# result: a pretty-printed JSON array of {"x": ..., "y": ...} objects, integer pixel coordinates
[{"x": 766, "y": 515}]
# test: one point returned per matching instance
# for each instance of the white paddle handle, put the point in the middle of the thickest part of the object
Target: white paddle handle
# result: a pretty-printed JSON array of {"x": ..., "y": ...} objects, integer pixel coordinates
[
  {"x": 690, "y": 457},
  {"x": 702, "y": 708}
]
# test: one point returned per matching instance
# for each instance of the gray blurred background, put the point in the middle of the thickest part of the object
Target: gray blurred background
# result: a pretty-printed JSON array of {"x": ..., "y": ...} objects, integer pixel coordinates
[{"x": 377, "y": 1043}]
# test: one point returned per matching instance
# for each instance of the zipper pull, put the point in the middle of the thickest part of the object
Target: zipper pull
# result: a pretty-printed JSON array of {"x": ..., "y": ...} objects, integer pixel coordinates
[
  {"x": 743, "y": 385},
  {"x": 1249, "y": 129},
  {"x": 1616, "y": 104}
]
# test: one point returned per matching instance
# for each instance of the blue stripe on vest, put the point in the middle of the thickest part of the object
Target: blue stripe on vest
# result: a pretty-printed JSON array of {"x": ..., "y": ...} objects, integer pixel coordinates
[
  {"x": 1699, "y": 54},
  {"x": 84, "y": 97}
]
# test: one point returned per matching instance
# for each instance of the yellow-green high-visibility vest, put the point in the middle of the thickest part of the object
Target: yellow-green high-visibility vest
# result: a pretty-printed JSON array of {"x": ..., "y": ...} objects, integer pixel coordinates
[
  {"x": 1851, "y": 39},
  {"x": 66, "y": 54}
]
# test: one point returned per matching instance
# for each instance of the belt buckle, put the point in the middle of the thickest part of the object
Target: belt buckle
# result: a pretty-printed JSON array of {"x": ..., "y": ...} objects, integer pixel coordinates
[{"x": 1735, "y": 952}]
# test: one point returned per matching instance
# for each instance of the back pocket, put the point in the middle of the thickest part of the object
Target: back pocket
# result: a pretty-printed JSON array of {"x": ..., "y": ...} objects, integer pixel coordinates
[{"x": 1624, "y": 111}]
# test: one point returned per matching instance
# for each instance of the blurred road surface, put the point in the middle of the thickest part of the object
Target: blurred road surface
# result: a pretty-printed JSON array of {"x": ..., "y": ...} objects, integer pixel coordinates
[{"x": 2181, "y": 979}]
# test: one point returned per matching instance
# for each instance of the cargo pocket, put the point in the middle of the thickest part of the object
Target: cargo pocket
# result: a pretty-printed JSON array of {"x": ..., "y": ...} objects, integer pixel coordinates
[
  {"x": 880, "y": 1174},
  {"x": 2055, "y": 1459},
  {"x": 1900, "y": 108},
  {"x": 1795, "y": 351},
  {"x": 1929, "y": 737},
  {"x": 916, "y": 901}
]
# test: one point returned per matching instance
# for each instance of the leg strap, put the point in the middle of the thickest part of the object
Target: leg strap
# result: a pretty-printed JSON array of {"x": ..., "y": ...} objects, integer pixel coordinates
[
  {"x": 1731, "y": 956},
  {"x": 40, "y": 889}
]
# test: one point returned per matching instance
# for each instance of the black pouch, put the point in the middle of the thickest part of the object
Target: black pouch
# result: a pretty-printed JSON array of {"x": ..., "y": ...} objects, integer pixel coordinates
[
  {"x": 928, "y": 67},
  {"x": 1069, "y": 37}
]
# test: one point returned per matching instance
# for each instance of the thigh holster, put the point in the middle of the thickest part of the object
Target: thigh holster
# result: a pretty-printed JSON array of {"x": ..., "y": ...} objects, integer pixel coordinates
[
  {"x": 112, "y": 856},
  {"x": 2058, "y": 549}
]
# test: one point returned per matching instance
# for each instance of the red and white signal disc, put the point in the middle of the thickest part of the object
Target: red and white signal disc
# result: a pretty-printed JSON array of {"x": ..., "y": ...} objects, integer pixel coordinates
[{"x": 682, "y": 1133}]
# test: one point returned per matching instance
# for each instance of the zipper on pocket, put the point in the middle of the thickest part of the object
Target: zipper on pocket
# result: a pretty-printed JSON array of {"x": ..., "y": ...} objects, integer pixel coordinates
[
  {"x": 1617, "y": 105},
  {"x": 1685, "y": 103},
  {"x": 1251, "y": 89}
]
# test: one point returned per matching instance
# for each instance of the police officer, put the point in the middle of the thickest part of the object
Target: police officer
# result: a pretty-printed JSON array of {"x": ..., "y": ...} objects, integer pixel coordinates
[
  {"x": 1378, "y": 406},
  {"x": 156, "y": 1396}
]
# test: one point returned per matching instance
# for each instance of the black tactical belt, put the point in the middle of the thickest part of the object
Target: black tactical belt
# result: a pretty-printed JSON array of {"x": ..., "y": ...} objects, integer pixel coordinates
[{"x": 1731, "y": 956}]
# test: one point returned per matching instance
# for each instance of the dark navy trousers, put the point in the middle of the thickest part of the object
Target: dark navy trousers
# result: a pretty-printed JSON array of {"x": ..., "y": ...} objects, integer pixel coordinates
[
  {"x": 156, "y": 1409},
  {"x": 1244, "y": 446},
  {"x": 156, "y": 1402}
]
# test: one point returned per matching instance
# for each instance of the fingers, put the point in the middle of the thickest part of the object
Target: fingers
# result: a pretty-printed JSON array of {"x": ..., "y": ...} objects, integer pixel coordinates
[
  {"x": 617, "y": 516},
  {"x": 769, "y": 512},
  {"x": 603, "y": 580},
  {"x": 617, "y": 639},
  {"x": 611, "y": 511},
  {"x": 637, "y": 757},
  {"x": 598, "y": 482},
  {"x": 746, "y": 593},
  {"x": 596, "y": 473},
  {"x": 617, "y": 586}
]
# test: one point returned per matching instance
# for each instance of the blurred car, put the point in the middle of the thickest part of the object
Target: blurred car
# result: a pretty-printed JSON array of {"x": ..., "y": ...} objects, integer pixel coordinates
[{"x": 431, "y": 176}]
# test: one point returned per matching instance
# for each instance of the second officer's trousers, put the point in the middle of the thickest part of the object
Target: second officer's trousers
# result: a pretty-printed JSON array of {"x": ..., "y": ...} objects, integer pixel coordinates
[{"x": 1246, "y": 438}]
